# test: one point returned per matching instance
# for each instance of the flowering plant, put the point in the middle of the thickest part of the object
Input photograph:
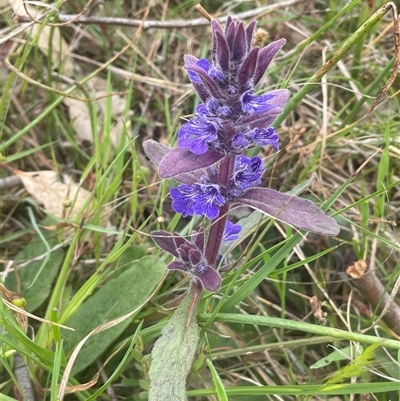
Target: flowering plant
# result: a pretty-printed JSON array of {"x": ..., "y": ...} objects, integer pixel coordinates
[
  {"x": 214, "y": 173},
  {"x": 210, "y": 161}
]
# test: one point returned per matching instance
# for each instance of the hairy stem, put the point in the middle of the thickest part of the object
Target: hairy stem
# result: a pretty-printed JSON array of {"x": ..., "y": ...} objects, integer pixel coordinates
[{"x": 218, "y": 224}]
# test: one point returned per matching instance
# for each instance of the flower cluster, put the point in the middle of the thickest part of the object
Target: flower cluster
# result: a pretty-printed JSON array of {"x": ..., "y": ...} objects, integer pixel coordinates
[
  {"x": 190, "y": 256},
  {"x": 210, "y": 162}
]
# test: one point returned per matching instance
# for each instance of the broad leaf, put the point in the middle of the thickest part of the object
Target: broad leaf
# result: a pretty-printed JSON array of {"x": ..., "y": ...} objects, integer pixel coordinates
[
  {"x": 48, "y": 262},
  {"x": 181, "y": 161},
  {"x": 298, "y": 212},
  {"x": 156, "y": 152},
  {"x": 173, "y": 355},
  {"x": 119, "y": 296}
]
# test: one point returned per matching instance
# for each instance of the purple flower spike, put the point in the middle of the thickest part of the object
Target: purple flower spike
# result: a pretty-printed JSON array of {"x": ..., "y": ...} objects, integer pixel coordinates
[
  {"x": 210, "y": 162},
  {"x": 189, "y": 258},
  {"x": 226, "y": 85}
]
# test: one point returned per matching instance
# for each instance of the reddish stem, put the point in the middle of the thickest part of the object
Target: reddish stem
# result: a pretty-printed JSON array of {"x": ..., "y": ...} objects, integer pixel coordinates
[
  {"x": 197, "y": 288},
  {"x": 218, "y": 224}
]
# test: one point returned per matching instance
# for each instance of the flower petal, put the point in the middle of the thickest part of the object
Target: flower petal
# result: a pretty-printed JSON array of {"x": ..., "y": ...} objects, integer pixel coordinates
[{"x": 231, "y": 232}]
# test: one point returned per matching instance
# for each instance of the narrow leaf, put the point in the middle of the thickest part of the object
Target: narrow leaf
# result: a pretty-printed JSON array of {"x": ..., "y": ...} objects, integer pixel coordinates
[
  {"x": 338, "y": 355},
  {"x": 219, "y": 386}
]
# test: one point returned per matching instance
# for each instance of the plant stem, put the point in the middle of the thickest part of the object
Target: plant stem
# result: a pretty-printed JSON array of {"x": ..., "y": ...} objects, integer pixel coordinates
[
  {"x": 300, "y": 326},
  {"x": 374, "y": 292},
  {"x": 218, "y": 224}
]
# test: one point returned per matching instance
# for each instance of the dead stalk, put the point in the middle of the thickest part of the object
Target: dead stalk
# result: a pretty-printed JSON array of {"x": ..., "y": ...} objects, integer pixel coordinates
[{"x": 375, "y": 293}]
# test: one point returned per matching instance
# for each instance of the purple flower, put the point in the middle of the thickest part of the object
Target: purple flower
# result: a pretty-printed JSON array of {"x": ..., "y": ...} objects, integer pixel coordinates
[
  {"x": 208, "y": 68},
  {"x": 189, "y": 257},
  {"x": 196, "y": 134},
  {"x": 210, "y": 163},
  {"x": 248, "y": 172},
  {"x": 231, "y": 232},
  {"x": 264, "y": 137},
  {"x": 258, "y": 136},
  {"x": 199, "y": 199},
  {"x": 256, "y": 104},
  {"x": 240, "y": 141},
  {"x": 213, "y": 109}
]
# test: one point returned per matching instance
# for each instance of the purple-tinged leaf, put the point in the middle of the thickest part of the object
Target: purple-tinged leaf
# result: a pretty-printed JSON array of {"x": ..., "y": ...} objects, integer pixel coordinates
[
  {"x": 190, "y": 59},
  {"x": 259, "y": 120},
  {"x": 203, "y": 93},
  {"x": 199, "y": 240},
  {"x": 173, "y": 353},
  {"x": 298, "y": 212},
  {"x": 167, "y": 241},
  {"x": 190, "y": 178},
  {"x": 216, "y": 29},
  {"x": 265, "y": 57},
  {"x": 222, "y": 51},
  {"x": 228, "y": 22},
  {"x": 280, "y": 98},
  {"x": 230, "y": 31},
  {"x": 210, "y": 279},
  {"x": 195, "y": 258},
  {"x": 177, "y": 265},
  {"x": 155, "y": 151},
  {"x": 180, "y": 161},
  {"x": 239, "y": 45},
  {"x": 248, "y": 67},
  {"x": 249, "y": 33}
]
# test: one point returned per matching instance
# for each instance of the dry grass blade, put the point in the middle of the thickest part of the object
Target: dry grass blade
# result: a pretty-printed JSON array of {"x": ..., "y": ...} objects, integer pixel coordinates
[
  {"x": 396, "y": 65},
  {"x": 39, "y": 319}
]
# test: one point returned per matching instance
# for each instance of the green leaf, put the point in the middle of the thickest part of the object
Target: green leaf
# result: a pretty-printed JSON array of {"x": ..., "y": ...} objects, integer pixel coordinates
[
  {"x": 221, "y": 393},
  {"x": 119, "y": 296},
  {"x": 173, "y": 355},
  {"x": 338, "y": 355},
  {"x": 21, "y": 281}
]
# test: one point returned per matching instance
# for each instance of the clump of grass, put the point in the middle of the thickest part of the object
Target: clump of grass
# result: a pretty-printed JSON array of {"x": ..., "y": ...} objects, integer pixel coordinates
[{"x": 259, "y": 335}]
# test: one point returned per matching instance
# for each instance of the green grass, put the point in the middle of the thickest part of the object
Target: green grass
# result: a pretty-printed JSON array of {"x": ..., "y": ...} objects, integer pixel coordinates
[{"x": 94, "y": 267}]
